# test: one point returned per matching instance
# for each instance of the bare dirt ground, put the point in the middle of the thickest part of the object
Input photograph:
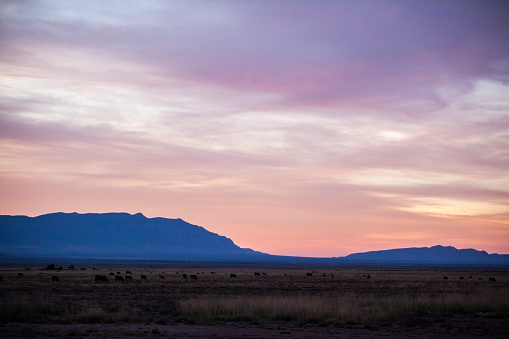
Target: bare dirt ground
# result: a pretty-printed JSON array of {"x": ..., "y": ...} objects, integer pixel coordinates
[
  {"x": 77, "y": 306},
  {"x": 458, "y": 328},
  {"x": 461, "y": 327}
]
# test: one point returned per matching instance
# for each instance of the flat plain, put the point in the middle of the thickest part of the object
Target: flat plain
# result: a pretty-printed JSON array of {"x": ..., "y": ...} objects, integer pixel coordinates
[{"x": 202, "y": 301}]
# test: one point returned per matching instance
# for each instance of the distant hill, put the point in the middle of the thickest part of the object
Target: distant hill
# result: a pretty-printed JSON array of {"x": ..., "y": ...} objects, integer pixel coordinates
[
  {"x": 123, "y": 236},
  {"x": 429, "y": 255},
  {"x": 115, "y": 235}
]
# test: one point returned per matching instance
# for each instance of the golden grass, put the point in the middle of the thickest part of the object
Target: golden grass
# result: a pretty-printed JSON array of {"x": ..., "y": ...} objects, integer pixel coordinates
[{"x": 363, "y": 309}]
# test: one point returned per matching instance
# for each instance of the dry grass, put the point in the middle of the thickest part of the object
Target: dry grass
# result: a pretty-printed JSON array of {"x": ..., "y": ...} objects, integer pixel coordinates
[
  {"x": 25, "y": 310},
  {"x": 330, "y": 295},
  {"x": 38, "y": 311},
  {"x": 362, "y": 309}
]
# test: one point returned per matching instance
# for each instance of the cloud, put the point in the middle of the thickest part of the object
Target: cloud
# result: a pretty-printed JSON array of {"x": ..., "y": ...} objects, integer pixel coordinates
[
  {"x": 343, "y": 120},
  {"x": 307, "y": 55}
]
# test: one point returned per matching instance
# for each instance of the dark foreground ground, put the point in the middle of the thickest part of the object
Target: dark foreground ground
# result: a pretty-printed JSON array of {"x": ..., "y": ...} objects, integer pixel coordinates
[
  {"x": 460, "y": 327},
  {"x": 279, "y": 302}
]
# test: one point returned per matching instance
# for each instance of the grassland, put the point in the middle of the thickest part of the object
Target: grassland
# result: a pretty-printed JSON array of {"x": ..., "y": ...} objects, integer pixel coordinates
[{"x": 335, "y": 297}]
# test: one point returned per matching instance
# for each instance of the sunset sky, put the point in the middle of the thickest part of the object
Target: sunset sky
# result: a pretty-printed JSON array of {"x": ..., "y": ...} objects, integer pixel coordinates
[{"x": 311, "y": 128}]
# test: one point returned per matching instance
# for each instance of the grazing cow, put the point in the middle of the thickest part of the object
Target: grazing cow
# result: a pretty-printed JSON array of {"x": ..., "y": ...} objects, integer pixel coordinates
[
  {"x": 184, "y": 276},
  {"x": 1, "y": 279},
  {"x": 462, "y": 278},
  {"x": 101, "y": 278},
  {"x": 194, "y": 276},
  {"x": 233, "y": 275},
  {"x": 143, "y": 277},
  {"x": 128, "y": 272},
  {"x": 368, "y": 277},
  {"x": 492, "y": 279},
  {"x": 445, "y": 278},
  {"x": 128, "y": 277},
  {"x": 119, "y": 278},
  {"x": 161, "y": 277},
  {"x": 309, "y": 274},
  {"x": 20, "y": 275},
  {"x": 54, "y": 279},
  {"x": 256, "y": 273},
  {"x": 111, "y": 273},
  {"x": 118, "y": 272}
]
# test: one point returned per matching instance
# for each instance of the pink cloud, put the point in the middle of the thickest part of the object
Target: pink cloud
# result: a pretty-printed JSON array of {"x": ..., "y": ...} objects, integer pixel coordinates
[{"x": 295, "y": 127}]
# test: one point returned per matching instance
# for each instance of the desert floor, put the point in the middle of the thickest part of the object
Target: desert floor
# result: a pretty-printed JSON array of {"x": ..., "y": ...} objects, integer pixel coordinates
[{"x": 259, "y": 302}]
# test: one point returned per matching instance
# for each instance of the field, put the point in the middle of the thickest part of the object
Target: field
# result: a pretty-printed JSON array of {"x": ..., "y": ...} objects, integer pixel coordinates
[{"x": 260, "y": 301}]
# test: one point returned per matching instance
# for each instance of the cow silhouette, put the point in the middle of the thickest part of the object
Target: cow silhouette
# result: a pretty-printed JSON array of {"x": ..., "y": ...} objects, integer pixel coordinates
[
  {"x": 101, "y": 278},
  {"x": 161, "y": 277},
  {"x": 54, "y": 279},
  {"x": 194, "y": 276},
  {"x": 233, "y": 275},
  {"x": 184, "y": 276},
  {"x": 492, "y": 279},
  {"x": 128, "y": 277},
  {"x": 119, "y": 278},
  {"x": 20, "y": 275},
  {"x": 143, "y": 277}
]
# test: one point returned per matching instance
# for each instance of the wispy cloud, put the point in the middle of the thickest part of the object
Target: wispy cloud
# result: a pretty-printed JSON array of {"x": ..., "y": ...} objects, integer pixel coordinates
[{"x": 292, "y": 127}]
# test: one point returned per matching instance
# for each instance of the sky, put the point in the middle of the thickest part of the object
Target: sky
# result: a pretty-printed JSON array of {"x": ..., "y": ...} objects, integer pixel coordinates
[{"x": 309, "y": 128}]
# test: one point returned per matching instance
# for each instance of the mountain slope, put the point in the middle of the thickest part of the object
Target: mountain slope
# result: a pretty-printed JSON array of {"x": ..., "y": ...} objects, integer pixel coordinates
[
  {"x": 114, "y": 235},
  {"x": 126, "y": 236},
  {"x": 435, "y": 254}
]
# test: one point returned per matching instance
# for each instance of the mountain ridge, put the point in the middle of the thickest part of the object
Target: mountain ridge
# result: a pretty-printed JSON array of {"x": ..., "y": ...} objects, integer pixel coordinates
[
  {"x": 434, "y": 254},
  {"x": 113, "y": 235},
  {"x": 134, "y": 236}
]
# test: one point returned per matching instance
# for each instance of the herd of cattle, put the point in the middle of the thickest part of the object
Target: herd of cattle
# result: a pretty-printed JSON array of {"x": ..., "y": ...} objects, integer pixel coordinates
[
  {"x": 103, "y": 278},
  {"x": 128, "y": 277}
]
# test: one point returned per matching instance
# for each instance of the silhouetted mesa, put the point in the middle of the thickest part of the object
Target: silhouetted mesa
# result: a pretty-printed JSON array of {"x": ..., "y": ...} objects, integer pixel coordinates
[
  {"x": 115, "y": 235},
  {"x": 429, "y": 255}
]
